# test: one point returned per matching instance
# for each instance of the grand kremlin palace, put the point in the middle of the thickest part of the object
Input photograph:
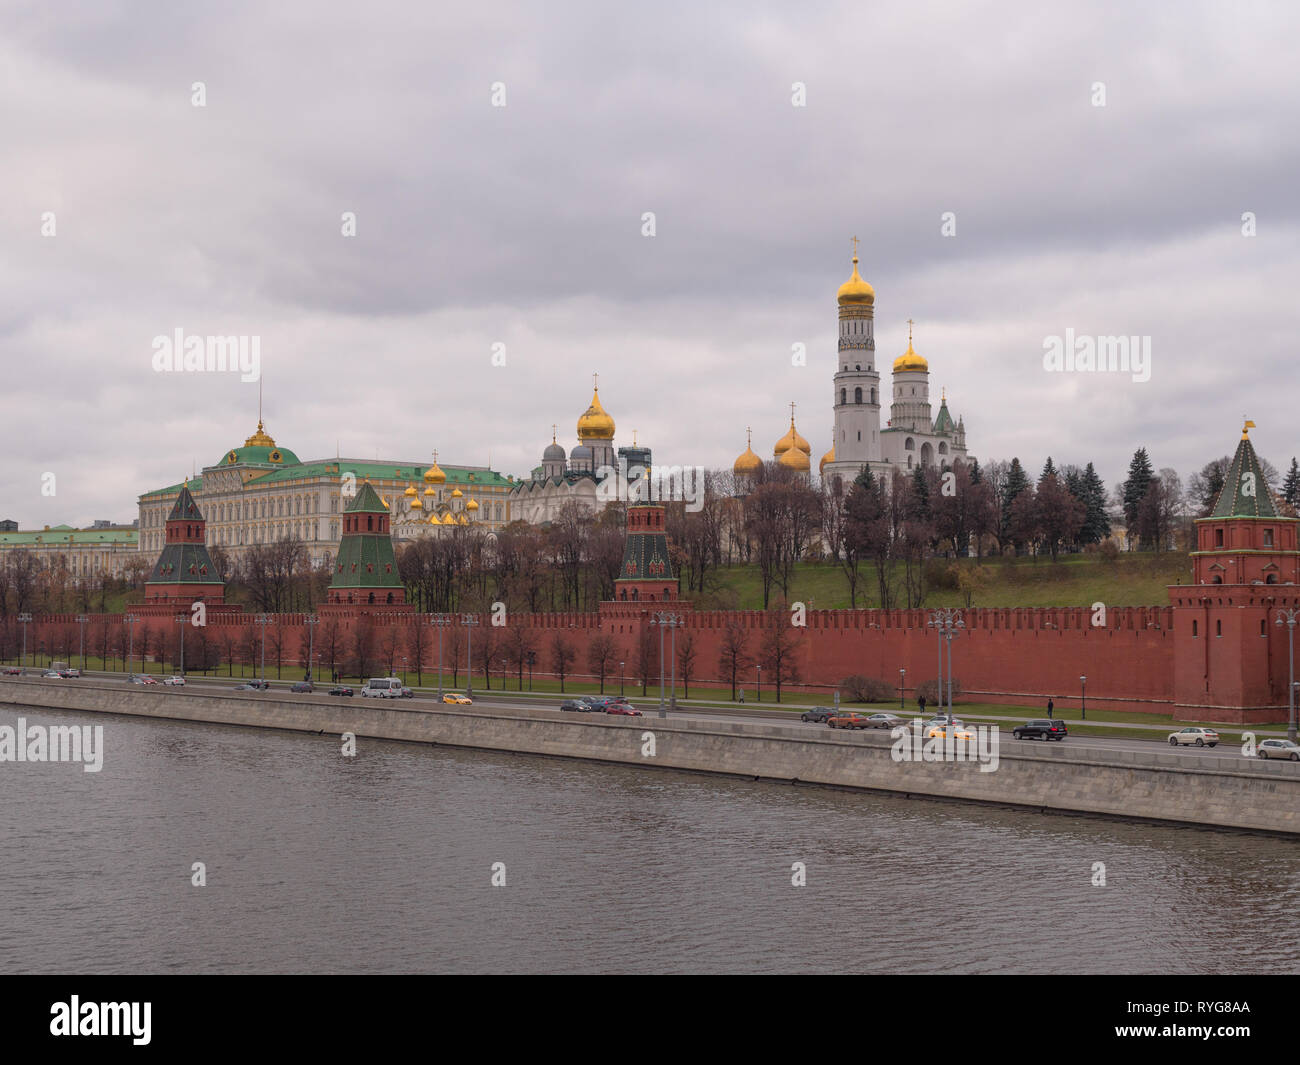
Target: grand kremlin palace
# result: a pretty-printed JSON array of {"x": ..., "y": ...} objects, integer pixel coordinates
[{"x": 260, "y": 492}]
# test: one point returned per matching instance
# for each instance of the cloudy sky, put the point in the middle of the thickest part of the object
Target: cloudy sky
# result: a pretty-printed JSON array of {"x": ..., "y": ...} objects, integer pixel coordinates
[{"x": 521, "y": 225}]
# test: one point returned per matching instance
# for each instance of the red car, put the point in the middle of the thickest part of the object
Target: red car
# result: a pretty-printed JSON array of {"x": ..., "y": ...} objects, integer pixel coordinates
[
  {"x": 848, "y": 719},
  {"x": 13, "y": 671},
  {"x": 623, "y": 710}
]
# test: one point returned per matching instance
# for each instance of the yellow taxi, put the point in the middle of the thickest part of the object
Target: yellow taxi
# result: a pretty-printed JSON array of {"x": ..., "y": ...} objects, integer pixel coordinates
[
  {"x": 456, "y": 697},
  {"x": 960, "y": 732}
]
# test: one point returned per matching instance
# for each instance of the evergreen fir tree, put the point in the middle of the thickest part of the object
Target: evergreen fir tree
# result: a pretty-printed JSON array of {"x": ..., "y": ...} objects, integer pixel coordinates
[
  {"x": 1135, "y": 488},
  {"x": 976, "y": 475},
  {"x": 920, "y": 494},
  {"x": 1016, "y": 483},
  {"x": 1049, "y": 470},
  {"x": 1096, "y": 524},
  {"x": 1291, "y": 486}
]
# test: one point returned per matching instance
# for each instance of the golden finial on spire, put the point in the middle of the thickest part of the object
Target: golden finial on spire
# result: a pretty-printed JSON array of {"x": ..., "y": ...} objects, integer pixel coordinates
[
  {"x": 554, "y": 429},
  {"x": 909, "y": 332},
  {"x": 634, "y": 438},
  {"x": 792, "y": 413},
  {"x": 595, "y": 381},
  {"x": 855, "y": 249},
  {"x": 749, "y": 436},
  {"x": 1246, "y": 428}
]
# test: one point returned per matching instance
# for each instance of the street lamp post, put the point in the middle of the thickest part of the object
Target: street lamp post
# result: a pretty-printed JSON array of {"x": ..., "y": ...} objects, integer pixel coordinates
[
  {"x": 130, "y": 620},
  {"x": 311, "y": 621},
  {"x": 469, "y": 621},
  {"x": 902, "y": 677},
  {"x": 532, "y": 661},
  {"x": 180, "y": 620},
  {"x": 264, "y": 620},
  {"x": 1288, "y": 617},
  {"x": 1083, "y": 697},
  {"x": 666, "y": 619},
  {"x": 620, "y": 681},
  {"x": 24, "y": 619},
  {"x": 81, "y": 620},
  {"x": 947, "y": 623},
  {"x": 441, "y": 621},
  {"x": 758, "y": 674}
]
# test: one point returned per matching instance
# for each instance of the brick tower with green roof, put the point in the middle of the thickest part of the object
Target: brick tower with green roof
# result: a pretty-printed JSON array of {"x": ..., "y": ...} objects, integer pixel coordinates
[
  {"x": 365, "y": 570},
  {"x": 646, "y": 574},
  {"x": 1230, "y": 659},
  {"x": 184, "y": 572}
]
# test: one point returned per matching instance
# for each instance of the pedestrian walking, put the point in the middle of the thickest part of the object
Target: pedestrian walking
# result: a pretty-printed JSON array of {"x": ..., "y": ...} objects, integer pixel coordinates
[
  {"x": 742, "y": 695},
  {"x": 920, "y": 701},
  {"x": 1050, "y": 705}
]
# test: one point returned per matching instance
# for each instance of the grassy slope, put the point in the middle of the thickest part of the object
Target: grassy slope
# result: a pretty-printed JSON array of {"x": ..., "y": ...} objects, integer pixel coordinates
[{"x": 1075, "y": 580}]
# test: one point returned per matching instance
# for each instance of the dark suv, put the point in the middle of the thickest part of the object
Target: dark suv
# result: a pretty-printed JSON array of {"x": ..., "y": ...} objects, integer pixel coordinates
[
  {"x": 817, "y": 713},
  {"x": 1041, "y": 730}
]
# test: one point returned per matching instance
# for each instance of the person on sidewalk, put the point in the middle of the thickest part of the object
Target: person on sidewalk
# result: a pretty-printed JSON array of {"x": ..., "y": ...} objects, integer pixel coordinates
[
  {"x": 920, "y": 701},
  {"x": 1050, "y": 706}
]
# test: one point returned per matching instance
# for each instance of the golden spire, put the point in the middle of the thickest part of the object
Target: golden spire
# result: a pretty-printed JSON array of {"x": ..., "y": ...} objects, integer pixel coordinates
[
  {"x": 1245, "y": 429},
  {"x": 748, "y": 463},
  {"x": 595, "y": 423},
  {"x": 791, "y": 441},
  {"x": 554, "y": 428},
  {"x": 910, "y": 360}
]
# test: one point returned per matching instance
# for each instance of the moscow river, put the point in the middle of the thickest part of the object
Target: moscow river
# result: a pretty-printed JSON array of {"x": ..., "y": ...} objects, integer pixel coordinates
[{"x": 385, "y": 862}]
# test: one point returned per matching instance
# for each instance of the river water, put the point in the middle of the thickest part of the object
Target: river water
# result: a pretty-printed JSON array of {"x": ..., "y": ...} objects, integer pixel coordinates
[{"x": 316, "y": 862}]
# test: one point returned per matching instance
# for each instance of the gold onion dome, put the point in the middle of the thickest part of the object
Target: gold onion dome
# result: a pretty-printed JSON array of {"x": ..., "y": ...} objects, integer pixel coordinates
[
  {"x": 434, "y": 474},
  {"x": 855, "y": 290},
  {"x": 910, "y": 361},
  {"x": 472, "y": 505},
  {"x": 456, "y": 493},
  {"x": 416, "y": 504},
  {"x": 261, "y": 438},
  {"x": 429, "y": 491},
  {"x": 748, "y": 463},
  {"x": 410, "y": 492},
  {"x": 595, "y": 423},
  {"x": 828, "y": 457},
  {"x": 791, "y": 440},
  {"x": 795, "y": 459}
]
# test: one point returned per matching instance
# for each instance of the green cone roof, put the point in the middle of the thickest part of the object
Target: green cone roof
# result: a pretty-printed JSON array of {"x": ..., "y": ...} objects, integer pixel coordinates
[{"x": 1245, "y": 472}]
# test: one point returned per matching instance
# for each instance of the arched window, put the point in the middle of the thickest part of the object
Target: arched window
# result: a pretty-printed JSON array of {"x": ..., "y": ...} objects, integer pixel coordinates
[
  {"x": 943, "y": 448},
  {"x": 1218, "y": 628},
  {"x": 873, "y": 397},
  {"x": 844, "y": 396},
  {"x": 857, "y": 395},
  {"x": 1270, "y": 579},
  {"x": 370, "y": 523},
  {"x": 909, "y": 444}
]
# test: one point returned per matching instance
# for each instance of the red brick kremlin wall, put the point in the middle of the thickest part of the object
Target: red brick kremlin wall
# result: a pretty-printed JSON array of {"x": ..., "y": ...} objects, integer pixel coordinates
[{"x": 1009, "y": 655}]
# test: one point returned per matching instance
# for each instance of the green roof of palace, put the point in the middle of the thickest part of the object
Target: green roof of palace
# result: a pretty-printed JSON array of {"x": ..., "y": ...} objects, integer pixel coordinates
[
  {"x": 259, "y": 455},
  {"x": 333, "y": 469},
  {"x": 1245, "y": 491},
  {"x": 73, "y": 537}
]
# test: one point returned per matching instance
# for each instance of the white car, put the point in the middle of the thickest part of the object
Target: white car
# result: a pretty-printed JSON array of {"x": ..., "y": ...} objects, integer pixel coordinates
[
  {"x": 51, "y": 675},
  {"x": 1201, "y": 737},
  {"x": 175, "y": 682},
  {"x": 1284, "y": 749}
]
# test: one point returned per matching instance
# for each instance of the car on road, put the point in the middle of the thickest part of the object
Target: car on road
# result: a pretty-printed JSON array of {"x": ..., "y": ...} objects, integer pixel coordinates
[
  {"x": 253, "y": 685},
  {"x": 458, "y": 699},
  {"x": 885, "y": 720},
  {"x": 623, "y": 710},
  {"x": 382, "y": 688},
  {"x": 1201, "y": 737},
  {"x": 575, "y": 705},
  {"x": 174, "y": 682},
  {"x": 848, "y": 719},
  {"x": 1043, "y": 729},
  {"x": 1279, "y": 749},
  {"x": 302, "y": 686},
  {"x": 67, "y": 674},
  {"x": 817, "y": 713},
  {"x": 52, "y": 675},
  {"x": 596, "y": 702},
  {"x": 140, "y": 678},
  {"x": 942, "y": 722},
  {"x": 340, "y": 690},
  {"x": 12, "y": 671},
  {"x": 940, "y": 732}
]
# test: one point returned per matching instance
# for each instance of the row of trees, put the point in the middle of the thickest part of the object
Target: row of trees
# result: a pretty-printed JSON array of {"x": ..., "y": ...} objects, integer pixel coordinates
[{"x": 412, "y": 645}]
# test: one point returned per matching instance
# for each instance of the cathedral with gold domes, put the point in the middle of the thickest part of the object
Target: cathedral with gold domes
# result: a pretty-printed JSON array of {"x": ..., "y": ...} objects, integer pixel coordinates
[
  {"x": 912, "y": 436},
  {"x": 573, "y": 478}
]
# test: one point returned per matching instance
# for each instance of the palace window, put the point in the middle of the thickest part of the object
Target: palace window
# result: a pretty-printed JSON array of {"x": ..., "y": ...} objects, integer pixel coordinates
[
  {"x": 1268, "y": 537},
  {"x": 857, "y": 395}
]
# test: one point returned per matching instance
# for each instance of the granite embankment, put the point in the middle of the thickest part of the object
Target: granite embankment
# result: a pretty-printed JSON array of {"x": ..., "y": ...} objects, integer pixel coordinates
[{"x": 1166, "y": 786}]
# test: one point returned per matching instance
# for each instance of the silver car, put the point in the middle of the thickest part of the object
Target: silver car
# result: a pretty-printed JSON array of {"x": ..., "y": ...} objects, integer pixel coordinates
[
  {"x": 1201, "y": 737},
  {"x": 1283, "y": 749}
]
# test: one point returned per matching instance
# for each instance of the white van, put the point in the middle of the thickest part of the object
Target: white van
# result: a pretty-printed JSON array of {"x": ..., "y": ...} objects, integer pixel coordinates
[{"x": 382, "y": 688}]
